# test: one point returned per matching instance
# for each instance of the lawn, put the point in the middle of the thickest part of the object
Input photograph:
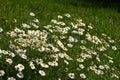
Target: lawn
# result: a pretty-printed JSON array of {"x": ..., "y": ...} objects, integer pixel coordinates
[{"x": 59, "y": 40}]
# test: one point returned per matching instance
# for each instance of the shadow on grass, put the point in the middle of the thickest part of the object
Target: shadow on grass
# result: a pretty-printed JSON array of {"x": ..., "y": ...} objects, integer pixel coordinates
[{"x": 97, "y": 3}]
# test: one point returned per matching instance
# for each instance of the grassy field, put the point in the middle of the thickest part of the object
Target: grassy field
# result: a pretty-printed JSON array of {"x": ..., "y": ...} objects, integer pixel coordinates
[{"x": 103, "y": 17}]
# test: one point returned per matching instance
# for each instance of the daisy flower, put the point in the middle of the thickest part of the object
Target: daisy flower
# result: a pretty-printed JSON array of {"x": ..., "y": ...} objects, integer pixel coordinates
[
  {"x": 19, "y": 67},
  {"x": 42, "y": 73},
  {"x": 20, "y": 75},
  {"x": 32, "y": 14},
  {"x": 1, "y": 30},
  {"x": 9, "y": 61},
  {"x": 71, "y": 75},
  {"x": 11, "y": 78},
  {"x": 2, "y": 72},
  {"x": 82, "y": 75}
]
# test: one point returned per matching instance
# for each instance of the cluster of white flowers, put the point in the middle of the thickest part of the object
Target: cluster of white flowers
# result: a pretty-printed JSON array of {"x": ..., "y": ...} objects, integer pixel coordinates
[{"x": 58, "y": 42}]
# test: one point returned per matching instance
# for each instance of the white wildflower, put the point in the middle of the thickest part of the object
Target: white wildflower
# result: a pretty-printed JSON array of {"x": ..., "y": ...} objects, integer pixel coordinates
[
  {"x": 2, "y": 72},
  {"x": 101, "y": 67},
  {"x": 81, "y": 66},
  {"x": 32, "y": 65},
  {"x": 90, "y": 27},
  {"x": 53, "y": 63},
  {"x": 80, "y": 60},
  {"x": 99, "y": 72},
  {"x": 23, "y": 56},
  {"x": 32, "y": 14},
  {"x": 111, "y": 61},
  {"x": 61, "y": 55},
  {"x": 19, "y": 67},
  {"x": 1, "y": 30},
  {"x": 106, "y": 66},
  {"x": 36, "y": 20},
  {"x": 60, "y": 17},
  {"x": 42, "y": 73},
  {"x": 39, "y": 61},
  {"x": 114, "y": 47},
  {"x": 26, "y": 25},
  {"x": 44, "y": 65},
  {"x": 20, "y": 75},
  {"x": 11, "y": 78},
  {"x": 71, "y": 75},
  {"x": 66, "y": 62},
  {"x": 70, "y": 45},
  {"x": 8, "y": 60},
  {"x": 67, "y": 15},
  {"x": 82, "y": 75}
]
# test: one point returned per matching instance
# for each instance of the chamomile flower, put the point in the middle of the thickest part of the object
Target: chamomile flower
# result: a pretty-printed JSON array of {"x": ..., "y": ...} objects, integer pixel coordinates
[
  {"x": 83, "y": 41},
  {"x": 55, "y": 49},
  {"x": 80, "y": 60},
  {"x": 81, "y": 31},
  {"x": 71, "y": 75},
  {"x": 99, "y": 72},
  {"x": 11, "y": 78},
  {"x": 19, "y": 67},
  {"x": 11, "y": 46},
  {"x": 114, "y": 47},
  {"x": 61, "y": 45},
  {"x": 39, "y": 61},
  {"x": 60, "y": 17},
  {"x": 20, "y": 75},
  {"x": 71, "y": 39},
  {"x": 98, "y": 59},
  {"x": 111, "y": 61},
  {"x": 32, "y": 65},
  {"x": 90, "y": 27},
  {"x": 81, "y": 66},
  {"x": 53, "y": 63},
  {"x": 66, "y": 62},
  {"x": 42, "y": 73},
  {"x": 83, "y": 47},
  {"x": 62, "y": 37},
  {"x": 1, "y": 30},
  {"x": 93, "y": 67},
  {"x": 101, "y": 67},
  {"x": 67, "y": 57},
  {"x": 83, "y": 76},
  {"x": 54, "y": 21},
  {"x": 114, "y": 75},
  {"x": 112, "y": 41},
  {"x": 23, "y": 56},
  {"x": 106, "y": 66},
  {"x": 8, "y": 60},
  {"x": 36, "y": 20},
  {"x": 44, "y": 65},
  {"x": 32, "y": 14},
  {"x": 2, "y": 72},
  {"x": 26, "y": 25},
  {"x": 70, "y": 45},
  {"x": 67, "y": 15},
  {"x": 11, "y": 54},
  {"x": 61, "y": 55}
]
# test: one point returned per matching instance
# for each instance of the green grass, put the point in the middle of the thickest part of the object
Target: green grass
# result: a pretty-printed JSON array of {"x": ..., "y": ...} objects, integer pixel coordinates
[{"x": 104, "y": 20}]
